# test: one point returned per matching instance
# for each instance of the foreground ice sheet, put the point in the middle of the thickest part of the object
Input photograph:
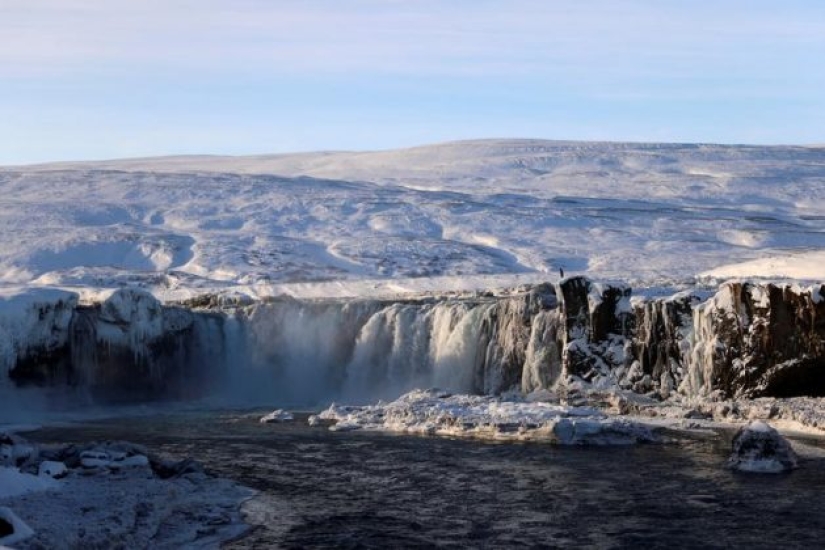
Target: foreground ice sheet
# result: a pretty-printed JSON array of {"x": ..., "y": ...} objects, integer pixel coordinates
[{"x": 439, "y": 413}]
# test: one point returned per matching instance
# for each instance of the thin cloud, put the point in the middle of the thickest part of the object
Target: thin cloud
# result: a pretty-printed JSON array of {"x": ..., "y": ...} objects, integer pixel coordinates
[{"x": 417, "y": 38}]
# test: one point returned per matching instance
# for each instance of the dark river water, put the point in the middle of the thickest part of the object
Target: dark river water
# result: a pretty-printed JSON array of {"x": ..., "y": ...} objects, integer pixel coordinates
[{"x": 322, "y": 489}]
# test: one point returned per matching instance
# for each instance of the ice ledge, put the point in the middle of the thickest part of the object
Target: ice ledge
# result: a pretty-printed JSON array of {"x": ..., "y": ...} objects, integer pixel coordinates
[{"x": 433, "y": 412}]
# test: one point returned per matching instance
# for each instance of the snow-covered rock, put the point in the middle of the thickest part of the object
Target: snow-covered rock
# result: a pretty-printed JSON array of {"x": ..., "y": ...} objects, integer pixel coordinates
[
  {"x": 126, "y": 347},
  {"x": 111, "y": 493},
  {"x": 12, "y": 528},
  {"x": 95, "y": 459},
  {"x": 53, "y": 469},
  {"x": 34, "y": 329},
  {"x": 433, "y": 412},
  {"x": 278, "y": 415},
  {"x": 15, "y": 450},
  {"x": 752, "y": 340},
  {"x": 759, "y": 448},
  {"x": 134, "y": 461},
  {"x": 13, "y": 482},
  {"x": 113, "y": 455}
]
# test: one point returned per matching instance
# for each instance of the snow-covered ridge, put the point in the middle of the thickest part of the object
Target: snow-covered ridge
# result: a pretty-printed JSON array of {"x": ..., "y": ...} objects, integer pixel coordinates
[
  {"x": 747, "y": 340},
  {"x": 458, "y": 158},
  {"x": 649, "y": 214}
]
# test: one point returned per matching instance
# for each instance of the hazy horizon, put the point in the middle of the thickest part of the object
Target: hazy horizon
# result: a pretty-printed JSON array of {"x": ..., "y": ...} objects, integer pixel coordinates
[{"x": 208, "y": 155}]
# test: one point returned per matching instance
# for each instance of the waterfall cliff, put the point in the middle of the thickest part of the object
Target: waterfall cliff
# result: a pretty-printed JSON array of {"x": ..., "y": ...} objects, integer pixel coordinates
[{"x": 747, "y": 340}]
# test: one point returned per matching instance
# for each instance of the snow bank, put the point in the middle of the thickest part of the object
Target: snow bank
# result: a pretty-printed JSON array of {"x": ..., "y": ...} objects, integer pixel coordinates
[
  {"x": 805, "y": 265},
  {"x": 14, "y": 483},
  {"x": 432, "y": 412},
  {"x": 113, "y": 495}
]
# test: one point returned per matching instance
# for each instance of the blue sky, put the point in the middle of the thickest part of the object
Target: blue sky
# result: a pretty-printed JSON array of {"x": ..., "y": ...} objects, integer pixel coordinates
[{"x": 84, "y": 79}]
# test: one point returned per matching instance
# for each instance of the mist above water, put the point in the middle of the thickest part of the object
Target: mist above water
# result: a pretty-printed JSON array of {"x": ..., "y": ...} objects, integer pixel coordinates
[{"x": 309, "y": 354}]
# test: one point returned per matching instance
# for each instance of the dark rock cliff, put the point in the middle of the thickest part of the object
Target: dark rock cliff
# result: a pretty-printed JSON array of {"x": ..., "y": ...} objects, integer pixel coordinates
[{"x": 748, "y": 340}]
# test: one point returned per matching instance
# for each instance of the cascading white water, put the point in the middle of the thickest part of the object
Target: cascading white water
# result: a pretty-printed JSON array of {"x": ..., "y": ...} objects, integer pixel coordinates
[
  {"x": 389, "y": 348},
  {"x": 309, "y": 353},
  {"x": 296, "y": 352},
  {"x": 459, "y": 346}
]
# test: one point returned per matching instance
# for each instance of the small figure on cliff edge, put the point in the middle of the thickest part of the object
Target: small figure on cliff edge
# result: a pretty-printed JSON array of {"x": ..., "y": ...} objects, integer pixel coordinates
[{"x": 561, "y": 273}]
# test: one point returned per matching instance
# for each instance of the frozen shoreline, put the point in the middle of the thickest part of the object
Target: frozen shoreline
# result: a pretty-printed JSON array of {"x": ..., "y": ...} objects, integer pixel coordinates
[
  {"x": 113, "y": 493},
  {"x": 600, "y": 413}
]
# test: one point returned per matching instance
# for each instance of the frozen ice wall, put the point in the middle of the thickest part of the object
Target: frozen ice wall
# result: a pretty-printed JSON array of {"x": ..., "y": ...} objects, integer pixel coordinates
[
  {"x": 132, "y": 348},
  {"x": 360, "y": 350},
  {"x": 746, "y": 340}
]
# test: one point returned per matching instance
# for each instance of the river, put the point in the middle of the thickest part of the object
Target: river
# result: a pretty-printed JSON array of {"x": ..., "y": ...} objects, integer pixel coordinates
[{"x": 367, "y": 490}]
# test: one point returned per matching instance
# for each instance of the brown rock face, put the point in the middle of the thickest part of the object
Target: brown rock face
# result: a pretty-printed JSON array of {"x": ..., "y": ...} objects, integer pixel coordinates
[
  {"x": 772, "y": 341},
  {"x": 749, "y": 340},
  {"x": 661, "y": 336},
  {"x": 597, "y": 323}
]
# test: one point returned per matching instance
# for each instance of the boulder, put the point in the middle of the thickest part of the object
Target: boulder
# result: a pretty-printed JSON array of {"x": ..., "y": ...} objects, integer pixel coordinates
[
  {"x": 95, "y": 458},
  {"x": 759, "y": 448},
  {"x": 278, "y": 415},
  {"x": 52, "y": 468},
  {"x": 12, "y": 528}
]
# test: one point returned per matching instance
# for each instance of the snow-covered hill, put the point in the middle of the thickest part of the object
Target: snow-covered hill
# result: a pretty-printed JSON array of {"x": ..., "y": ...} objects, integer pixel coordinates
[{"x": 510, "y": 210}]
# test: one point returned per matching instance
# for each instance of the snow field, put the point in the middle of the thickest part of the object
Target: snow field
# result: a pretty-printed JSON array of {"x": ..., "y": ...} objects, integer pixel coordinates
[{"x": 647, "y": 214}]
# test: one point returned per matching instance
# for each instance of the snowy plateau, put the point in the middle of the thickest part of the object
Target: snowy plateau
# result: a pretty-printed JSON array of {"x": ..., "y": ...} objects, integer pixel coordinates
[
  {"x": 641, "y": 214},
  {"x": 563, "y": 292}
]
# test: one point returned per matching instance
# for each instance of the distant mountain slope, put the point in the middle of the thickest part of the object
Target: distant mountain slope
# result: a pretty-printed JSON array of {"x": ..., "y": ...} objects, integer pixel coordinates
[{"x": 519, "y": 159}]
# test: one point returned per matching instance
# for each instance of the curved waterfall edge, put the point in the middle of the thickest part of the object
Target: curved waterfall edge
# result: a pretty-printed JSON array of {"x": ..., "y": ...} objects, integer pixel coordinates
[{"x": 746, "y": 340}]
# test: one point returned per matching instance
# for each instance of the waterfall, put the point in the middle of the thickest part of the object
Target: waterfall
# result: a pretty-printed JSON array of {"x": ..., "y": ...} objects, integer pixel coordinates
[
  {"x": 746, "y": 340},
  {"x": 362, "y": 350}
]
